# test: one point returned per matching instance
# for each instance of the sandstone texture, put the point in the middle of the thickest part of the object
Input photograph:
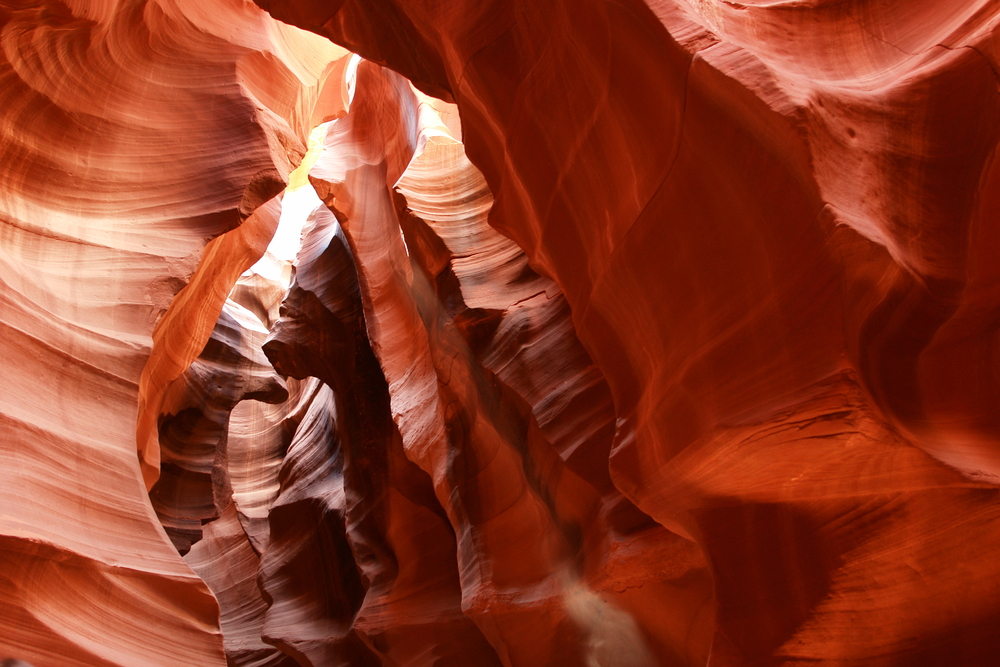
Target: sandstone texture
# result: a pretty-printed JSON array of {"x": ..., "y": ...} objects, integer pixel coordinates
[{"x": 499, "y": 332}]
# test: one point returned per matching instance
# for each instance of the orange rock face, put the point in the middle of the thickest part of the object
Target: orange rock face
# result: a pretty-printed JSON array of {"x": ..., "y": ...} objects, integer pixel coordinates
[{"x": 677, "y": 349}]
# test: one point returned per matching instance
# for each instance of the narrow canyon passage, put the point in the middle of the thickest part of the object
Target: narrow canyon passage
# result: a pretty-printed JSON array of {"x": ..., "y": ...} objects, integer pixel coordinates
[
  {"x": 608, "y": 333},
  {"x": 294, "y": 451}
]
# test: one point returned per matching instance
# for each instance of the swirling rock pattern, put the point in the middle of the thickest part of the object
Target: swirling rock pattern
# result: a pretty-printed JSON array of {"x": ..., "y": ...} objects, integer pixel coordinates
[
  {"x": 770, "y": 221},
  {"x": 496, "y": 457},
  {"x": 684, "y": 357},
  {"x": 129, "y": 139}
]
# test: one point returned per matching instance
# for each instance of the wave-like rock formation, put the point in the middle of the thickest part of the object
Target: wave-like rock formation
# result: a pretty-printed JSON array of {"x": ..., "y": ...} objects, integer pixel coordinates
[
  {"x": 603, "y": 333},
  {"x": 131, "y": 134}
]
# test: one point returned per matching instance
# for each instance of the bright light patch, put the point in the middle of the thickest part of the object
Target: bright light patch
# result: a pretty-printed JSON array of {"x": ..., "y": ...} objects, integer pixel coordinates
[{"x": 298, "y": 202}]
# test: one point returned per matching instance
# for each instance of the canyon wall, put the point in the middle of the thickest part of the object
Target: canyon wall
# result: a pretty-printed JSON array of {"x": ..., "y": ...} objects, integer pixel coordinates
[
  {"x": 678, "y": 349},
  {"x": 772, "y": 223},
  {"x": 132, "y": 133}
]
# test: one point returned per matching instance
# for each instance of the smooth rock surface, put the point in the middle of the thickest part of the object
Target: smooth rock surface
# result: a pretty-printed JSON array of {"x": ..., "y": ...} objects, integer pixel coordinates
[
  {"x": 129, "y": 139},
  {"x": 771, "y": 223},
  {"x": 614, "y": 333}
]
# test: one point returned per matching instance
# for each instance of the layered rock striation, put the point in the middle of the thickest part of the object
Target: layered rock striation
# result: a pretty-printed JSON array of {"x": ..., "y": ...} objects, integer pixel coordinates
[
  {"x": 677, "y": 350},
  {"x": 770, "y": 223},
  {"x": 131, "y": 135}
]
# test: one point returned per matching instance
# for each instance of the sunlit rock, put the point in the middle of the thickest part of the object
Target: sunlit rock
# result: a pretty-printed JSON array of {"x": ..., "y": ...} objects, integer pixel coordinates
[{"x": 563, "y": 333}]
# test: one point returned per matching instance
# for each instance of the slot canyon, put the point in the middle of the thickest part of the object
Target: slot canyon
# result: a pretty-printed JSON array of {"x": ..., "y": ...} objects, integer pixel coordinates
[{"x": 521, "y": 333}]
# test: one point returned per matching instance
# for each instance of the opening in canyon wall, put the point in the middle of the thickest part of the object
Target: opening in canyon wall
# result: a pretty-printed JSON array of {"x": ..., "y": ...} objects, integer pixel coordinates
[{"x": 329, "y": 461}]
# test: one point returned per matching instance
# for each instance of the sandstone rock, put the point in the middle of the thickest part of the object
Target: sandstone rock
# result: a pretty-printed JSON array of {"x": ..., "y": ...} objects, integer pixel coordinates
[
  {"x": 631, "y": 333},
  {"x": 128, "y": 140},
  {"x": 769, "y": 223}
]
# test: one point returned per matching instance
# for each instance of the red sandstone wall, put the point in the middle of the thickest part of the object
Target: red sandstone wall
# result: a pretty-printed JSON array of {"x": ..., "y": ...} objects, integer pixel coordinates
[
  {"x": 685, "y": 357},
  {"x": 131, "y": 133},
  {"x": 773, "y": 224}
]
